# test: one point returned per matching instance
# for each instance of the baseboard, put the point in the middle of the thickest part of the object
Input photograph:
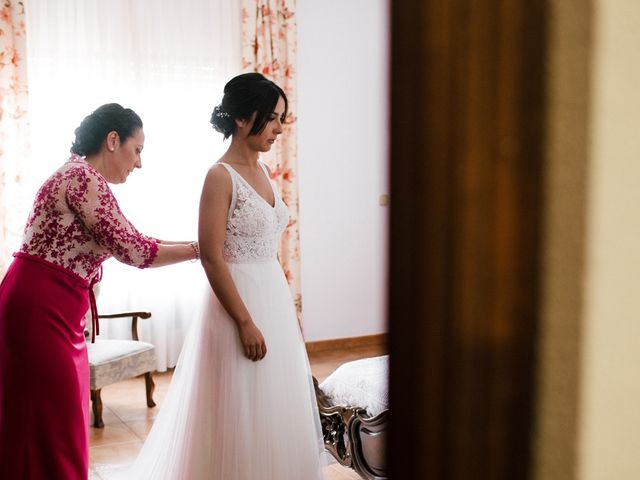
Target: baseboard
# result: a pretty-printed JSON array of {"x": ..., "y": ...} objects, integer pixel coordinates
[{"x": 378, "y": 340}]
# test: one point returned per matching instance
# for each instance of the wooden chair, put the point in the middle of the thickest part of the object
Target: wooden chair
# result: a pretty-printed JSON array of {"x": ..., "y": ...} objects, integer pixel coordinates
[{"x": 112, "y": 361}]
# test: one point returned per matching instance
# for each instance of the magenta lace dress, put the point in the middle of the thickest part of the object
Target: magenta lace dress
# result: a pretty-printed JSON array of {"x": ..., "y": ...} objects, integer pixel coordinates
[{"x": 74, "y": 226}]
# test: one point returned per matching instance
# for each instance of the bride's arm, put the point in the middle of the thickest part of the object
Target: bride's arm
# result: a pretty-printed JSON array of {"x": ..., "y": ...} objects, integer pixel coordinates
[{"x": 212, "y": 224}]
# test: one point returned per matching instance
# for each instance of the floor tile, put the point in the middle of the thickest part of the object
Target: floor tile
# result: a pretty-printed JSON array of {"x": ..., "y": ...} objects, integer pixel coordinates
[
  {"x": 115, "y": 454},
  {"x": 110, "y": 434},
  {"x": 131, "y": 412},
  {"x": 141, "y": 427},
  {"x": 108, "y": 416},
  {"x": 338, "y": 472}
]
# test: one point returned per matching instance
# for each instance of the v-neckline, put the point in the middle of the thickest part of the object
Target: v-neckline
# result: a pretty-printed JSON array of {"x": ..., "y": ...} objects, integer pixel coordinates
[{"x": 246, "y": 182}]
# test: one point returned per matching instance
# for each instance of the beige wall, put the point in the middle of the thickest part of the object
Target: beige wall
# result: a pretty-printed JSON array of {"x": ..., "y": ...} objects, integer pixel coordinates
[
  {"x": 610, "y": 402},
  {"x": 589, "y": 383}
]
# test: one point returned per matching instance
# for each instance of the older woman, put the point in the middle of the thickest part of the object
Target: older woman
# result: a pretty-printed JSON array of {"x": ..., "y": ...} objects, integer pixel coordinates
[{"x": 75, "y": 225}]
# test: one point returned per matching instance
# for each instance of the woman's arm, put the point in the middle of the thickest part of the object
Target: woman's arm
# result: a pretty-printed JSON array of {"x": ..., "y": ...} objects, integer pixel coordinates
[
  {"x": 88, "y": 195},
  {"x": 212, "y": 224},
  {"x": 169, "y": 254},
  {"x": 174, "y": 242}
]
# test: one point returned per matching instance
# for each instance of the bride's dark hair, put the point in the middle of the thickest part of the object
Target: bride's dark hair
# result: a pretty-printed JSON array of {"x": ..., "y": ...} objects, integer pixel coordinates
[{"x": 245, "y": 95}]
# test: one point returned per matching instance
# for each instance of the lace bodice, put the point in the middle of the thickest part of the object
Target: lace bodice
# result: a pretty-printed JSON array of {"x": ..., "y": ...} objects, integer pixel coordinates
[
  {"x": 76, "y": 223},
  {"x": 253, "y": 226}
]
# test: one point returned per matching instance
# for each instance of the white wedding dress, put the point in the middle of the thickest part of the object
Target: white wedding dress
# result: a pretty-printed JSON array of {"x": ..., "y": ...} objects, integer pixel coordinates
[{"x": 224, "y": 416}]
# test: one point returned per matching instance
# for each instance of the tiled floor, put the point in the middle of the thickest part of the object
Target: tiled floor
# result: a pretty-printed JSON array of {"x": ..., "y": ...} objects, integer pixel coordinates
[{"x": 127, "y": 419}]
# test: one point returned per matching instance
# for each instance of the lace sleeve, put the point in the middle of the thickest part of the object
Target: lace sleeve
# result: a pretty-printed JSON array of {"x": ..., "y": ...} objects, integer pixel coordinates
[{"x": 88, "y": 195}]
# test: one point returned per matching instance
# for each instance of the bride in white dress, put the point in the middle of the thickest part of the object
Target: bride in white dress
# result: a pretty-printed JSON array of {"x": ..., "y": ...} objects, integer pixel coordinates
[{"x": 241, "y": 404}]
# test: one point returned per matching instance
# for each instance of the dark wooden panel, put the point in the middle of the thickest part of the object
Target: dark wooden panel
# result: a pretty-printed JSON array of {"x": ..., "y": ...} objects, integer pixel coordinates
[{"x": 466, "y": 169}]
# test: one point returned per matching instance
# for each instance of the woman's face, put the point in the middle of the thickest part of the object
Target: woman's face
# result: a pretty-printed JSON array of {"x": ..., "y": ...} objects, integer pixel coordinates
[
  {"x": 126, "y": 156},
  {"x": 263, "y": 141}
]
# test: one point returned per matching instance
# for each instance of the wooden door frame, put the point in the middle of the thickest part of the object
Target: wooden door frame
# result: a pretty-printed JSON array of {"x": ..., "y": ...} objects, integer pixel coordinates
[{"x": 467, "y": 118}]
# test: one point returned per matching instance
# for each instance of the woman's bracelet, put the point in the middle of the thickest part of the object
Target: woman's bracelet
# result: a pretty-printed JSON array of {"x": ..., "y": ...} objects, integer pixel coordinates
[{"x": 196, "y": 251}]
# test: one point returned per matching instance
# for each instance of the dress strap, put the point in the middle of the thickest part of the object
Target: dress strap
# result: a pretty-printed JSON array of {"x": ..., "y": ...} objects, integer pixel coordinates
[
  {"x": 234, "y": 191},
  {"x": 265, "y": 169}
]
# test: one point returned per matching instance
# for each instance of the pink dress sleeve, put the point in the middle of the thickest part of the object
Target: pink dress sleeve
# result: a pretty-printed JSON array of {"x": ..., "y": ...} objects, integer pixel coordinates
[{"x": 90, "y": 198}]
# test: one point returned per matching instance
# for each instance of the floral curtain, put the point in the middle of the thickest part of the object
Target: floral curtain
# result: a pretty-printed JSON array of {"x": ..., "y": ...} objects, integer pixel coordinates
[
  {"x": 13, "y": 126},
  {"x": 269, "y": 46}
]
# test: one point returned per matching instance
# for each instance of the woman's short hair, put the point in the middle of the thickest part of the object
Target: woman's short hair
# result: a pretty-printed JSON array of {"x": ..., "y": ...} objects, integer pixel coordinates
[
  {"x": 111, "y": 117},
  {"x": 244, "y": 95}
]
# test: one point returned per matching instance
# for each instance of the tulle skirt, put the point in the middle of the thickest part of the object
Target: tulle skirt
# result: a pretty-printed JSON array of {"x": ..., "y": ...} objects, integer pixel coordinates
[{"x": 228, "y": 418}]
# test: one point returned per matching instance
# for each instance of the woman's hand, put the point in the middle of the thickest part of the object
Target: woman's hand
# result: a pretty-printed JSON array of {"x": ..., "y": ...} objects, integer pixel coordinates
[{"x": 253, "y": 342}]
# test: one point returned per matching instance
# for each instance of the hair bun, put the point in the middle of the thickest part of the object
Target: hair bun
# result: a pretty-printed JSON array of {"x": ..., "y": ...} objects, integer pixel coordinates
[
  {"x": 222, "y": 121},
  {"x": 250, "y": 97}
]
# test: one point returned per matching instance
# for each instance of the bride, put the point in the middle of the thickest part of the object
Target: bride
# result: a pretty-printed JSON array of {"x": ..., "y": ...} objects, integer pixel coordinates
[{"x": 241, "y": 404}]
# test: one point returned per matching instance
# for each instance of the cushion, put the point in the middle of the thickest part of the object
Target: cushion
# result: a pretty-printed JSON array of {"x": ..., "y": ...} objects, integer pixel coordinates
[
  {"x": 111, "y": 361},
  {"x": 360, "y": 383}
]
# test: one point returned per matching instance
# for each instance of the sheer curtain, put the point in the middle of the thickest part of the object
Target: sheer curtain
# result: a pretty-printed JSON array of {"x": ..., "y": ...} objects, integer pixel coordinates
[
  {"x": 14, "y": 128},
  {"x": 168, "y": 61}
]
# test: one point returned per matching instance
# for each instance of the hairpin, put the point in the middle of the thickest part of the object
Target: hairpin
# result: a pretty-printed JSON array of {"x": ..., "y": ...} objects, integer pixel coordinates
[{"x": 221, "y": 113}]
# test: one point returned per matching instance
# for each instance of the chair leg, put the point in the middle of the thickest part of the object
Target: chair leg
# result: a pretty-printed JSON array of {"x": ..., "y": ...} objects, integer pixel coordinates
[
  {"x": 150, "y": 386},
  {"x": 96, "y": 403}
]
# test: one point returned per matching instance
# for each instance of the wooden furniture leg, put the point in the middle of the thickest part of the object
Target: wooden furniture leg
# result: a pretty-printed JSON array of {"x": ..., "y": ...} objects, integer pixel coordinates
[
  {"x": 150, "y": 386},
  {"x": 96, "y": 403}
]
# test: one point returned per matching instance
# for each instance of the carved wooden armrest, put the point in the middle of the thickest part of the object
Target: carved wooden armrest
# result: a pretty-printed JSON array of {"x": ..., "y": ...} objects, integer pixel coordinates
[
  {"x": 368, "y": 437},
  {"x": 336, "y": 422},
  {"x": 134, "y": 320},
  {"x": 126, "y": 314}
]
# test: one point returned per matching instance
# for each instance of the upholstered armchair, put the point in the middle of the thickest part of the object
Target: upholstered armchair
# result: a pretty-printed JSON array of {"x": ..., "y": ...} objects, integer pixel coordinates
[{"x": 111, "y": 361}]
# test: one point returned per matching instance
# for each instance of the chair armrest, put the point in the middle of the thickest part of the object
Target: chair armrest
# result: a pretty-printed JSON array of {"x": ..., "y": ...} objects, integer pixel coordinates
[
  {"x": 126, "y": 314},
  {"x": 134, "y": 320}
]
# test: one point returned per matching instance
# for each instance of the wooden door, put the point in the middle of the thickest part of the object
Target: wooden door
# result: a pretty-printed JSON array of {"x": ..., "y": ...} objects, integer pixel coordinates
[{"x": 465, "y": 236}]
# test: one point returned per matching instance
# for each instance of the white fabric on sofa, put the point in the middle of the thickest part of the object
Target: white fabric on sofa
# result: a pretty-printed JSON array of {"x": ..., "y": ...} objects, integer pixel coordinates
[{"x": 362, "y": 383}]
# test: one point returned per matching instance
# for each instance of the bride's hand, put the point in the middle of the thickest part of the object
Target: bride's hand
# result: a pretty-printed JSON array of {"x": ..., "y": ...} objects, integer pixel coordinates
[{"x": 253, "y": 342}]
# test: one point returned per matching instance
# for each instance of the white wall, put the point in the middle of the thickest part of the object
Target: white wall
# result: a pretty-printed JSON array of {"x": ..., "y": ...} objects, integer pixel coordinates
[
  {"x": 343, "y": 151},
  {"x": 589, "y": 391}
]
